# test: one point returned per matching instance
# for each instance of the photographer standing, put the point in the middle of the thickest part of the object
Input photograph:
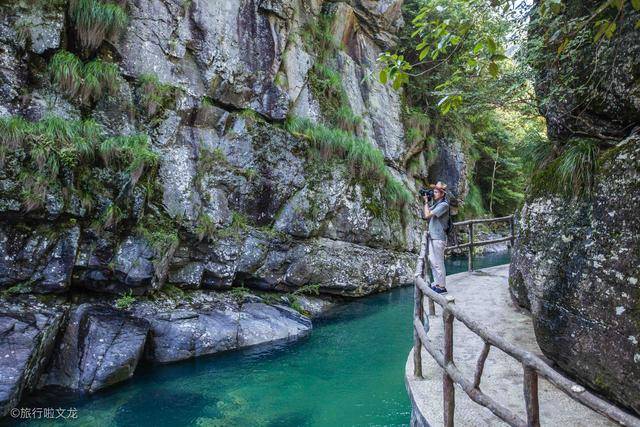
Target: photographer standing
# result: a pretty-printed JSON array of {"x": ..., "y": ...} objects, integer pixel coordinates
[{"x": 438, "y": 216}]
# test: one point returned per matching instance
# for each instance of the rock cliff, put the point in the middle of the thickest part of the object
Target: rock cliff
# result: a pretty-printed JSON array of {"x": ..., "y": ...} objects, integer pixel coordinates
[
  {"x": 576, "y": 264},
  {"x": 152, "y": 179}
]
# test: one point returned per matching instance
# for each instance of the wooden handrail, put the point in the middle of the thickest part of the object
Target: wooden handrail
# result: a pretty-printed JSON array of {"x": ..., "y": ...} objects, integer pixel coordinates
[
  {"x": 482, "y": 220},
  {"x": 533, "y": 365},
  {"x": 472, "y": 243}
]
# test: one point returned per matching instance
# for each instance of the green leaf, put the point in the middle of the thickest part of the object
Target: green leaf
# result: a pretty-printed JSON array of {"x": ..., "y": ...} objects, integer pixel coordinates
[
  {"x": 493, "y": 69},
  {"x": 424, "y": 53},
  {"x": 602, "y": 27},
  {"x": 491, "y": 45},
  {"x": 477, "y": 48},
  {"x": 383, "y": 76},
  {"x": 397, "y": 82},
  {"x": 637, "y": 26},
  {"x": 635, "y": 4}
]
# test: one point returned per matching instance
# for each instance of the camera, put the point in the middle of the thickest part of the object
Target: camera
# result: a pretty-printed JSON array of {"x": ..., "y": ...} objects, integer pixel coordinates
[{"x": 426, "y": 192}]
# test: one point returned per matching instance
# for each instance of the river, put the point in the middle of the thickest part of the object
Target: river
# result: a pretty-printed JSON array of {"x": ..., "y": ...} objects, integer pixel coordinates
[{"x": 348, "y": 372}]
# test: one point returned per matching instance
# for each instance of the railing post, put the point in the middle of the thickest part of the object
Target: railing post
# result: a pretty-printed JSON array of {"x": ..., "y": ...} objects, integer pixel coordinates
[
  {"x": 470, "y": 249},
  {"x": 447, "y": 383},
  {"x": 418, "y": 313},
  {"x": 531, "y": 396}
]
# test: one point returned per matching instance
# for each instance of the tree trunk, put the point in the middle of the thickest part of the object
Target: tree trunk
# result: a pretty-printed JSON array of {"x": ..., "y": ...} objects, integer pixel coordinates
[{"x": 493, "y": 180}]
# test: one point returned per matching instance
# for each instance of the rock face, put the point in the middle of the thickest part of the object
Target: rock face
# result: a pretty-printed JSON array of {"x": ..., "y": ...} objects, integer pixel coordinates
[
  {"x": 237, "y": 173},
  {"x": 608, "y": 110},
  {"x": 576, "y": 267},
  {"x": 576, "y": 264}
]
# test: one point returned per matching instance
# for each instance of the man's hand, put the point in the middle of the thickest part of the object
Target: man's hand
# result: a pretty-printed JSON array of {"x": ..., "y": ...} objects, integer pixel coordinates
[{"x": 427, "y": 211}]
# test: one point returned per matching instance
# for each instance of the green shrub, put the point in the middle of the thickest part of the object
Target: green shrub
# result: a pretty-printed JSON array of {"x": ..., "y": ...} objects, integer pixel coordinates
[
  {"x": 66, "y": 71},
  {"x": 205, "y": 226},
  {"x": 95, "y": 20},
  {"x": 307, "y": 290},
  {"x": 88, "y": 82},
  {"x": 578, "y": 165},
  {"x": 239, "y": 293},
  {"x": 125, "y": 300}
]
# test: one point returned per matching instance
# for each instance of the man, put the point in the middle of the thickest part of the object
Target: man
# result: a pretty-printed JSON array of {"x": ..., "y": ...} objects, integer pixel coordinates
[{"x": 438, "y": 217}]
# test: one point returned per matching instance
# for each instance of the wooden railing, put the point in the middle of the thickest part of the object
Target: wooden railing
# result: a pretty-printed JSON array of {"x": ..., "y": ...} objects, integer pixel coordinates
[
  {"x": 471, "y": 243},
  {"x": 532, "y": 365}
]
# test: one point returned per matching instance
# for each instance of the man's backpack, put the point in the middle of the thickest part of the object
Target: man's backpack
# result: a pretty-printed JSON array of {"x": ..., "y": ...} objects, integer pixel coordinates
[{"x": 454, "y": 202}]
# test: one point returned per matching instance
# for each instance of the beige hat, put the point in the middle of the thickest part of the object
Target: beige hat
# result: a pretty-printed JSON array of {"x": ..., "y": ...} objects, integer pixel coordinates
[{"x": 440, "y": 186}]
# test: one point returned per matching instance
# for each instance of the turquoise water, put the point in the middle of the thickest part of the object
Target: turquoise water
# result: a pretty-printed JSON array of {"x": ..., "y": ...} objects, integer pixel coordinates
[{"x": 348, "y": 372}]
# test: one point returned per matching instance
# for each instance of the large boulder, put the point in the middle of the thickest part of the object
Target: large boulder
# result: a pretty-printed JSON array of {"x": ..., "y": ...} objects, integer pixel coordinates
[
  {"x": 100, "y": 346},
  {"x": 28, "y": 331},
  {"x": 209, "y": 323},
  {"x": 576, "y": 266}
]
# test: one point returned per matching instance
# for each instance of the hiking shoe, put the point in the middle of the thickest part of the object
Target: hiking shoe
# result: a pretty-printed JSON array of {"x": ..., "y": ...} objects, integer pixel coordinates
[{"x": 439, "y": 290}]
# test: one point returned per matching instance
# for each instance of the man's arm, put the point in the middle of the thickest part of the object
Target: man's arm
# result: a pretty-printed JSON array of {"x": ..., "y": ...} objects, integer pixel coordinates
[{"x": 427, "y": 212}]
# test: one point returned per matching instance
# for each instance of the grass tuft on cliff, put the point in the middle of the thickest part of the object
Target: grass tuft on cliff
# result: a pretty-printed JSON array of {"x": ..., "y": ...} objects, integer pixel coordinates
[
  {"x": 87, "y": 82},
  {"x": 154, "y": 95},
  {"x": 59, "y": 155},
  {"x": 568, "y": 170},
  {"x": 366, "y": 162},
  {"x": 95, "y": 20}
]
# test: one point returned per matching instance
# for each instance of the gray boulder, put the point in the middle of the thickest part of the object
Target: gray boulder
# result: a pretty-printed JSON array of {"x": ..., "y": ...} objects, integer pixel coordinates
[
  {"x": 100, "y": 347},
  {"x": 28, "y": 330},
  {"x": 209, "y": 323}
]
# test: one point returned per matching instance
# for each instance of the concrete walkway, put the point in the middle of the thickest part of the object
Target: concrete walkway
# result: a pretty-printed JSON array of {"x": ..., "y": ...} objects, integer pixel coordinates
[{"x": 485, "y": 297}]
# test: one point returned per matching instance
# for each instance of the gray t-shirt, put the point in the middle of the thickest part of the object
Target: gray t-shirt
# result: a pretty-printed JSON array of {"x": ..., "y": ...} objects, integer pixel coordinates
[{"x": 438, "y": 222}]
